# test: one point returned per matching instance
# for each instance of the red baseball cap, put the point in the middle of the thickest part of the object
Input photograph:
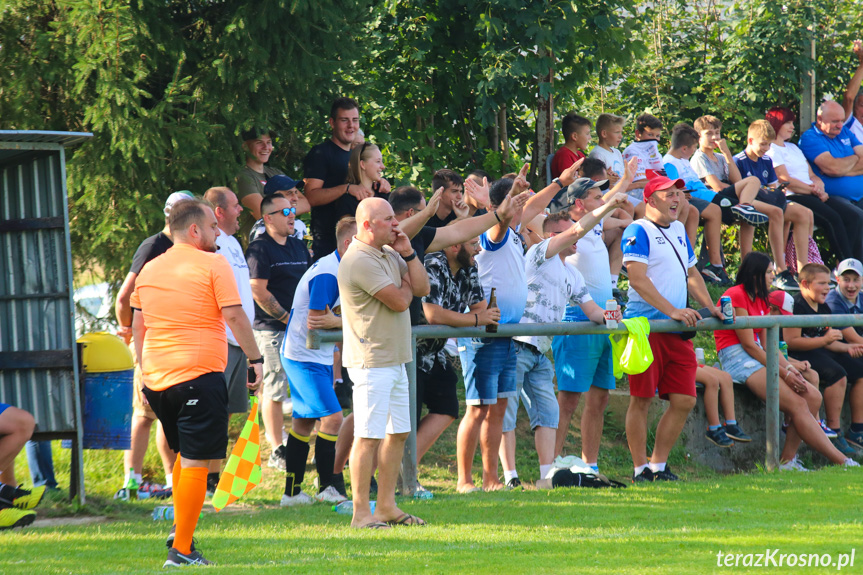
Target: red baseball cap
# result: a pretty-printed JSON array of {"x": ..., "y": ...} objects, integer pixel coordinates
[
  {"x": 783, "y": 301},
  {"x": 657, "y": 182}
]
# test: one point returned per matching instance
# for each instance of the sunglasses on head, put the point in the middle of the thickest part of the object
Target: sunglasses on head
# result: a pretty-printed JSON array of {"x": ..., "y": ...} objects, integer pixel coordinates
[{"x": 285, "y": 211}]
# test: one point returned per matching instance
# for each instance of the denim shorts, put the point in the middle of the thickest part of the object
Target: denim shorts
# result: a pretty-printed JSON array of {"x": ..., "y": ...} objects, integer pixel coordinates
[
  {"x": 739, "y": 364},
  {"x": 488, "y": 366},
  {"x": 581, "y": 361},
  {"x": 534, "y": 380}
]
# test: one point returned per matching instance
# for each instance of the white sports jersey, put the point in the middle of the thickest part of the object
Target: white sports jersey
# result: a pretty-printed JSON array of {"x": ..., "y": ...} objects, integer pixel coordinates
[
  {"x": 613, "y": 159},
  {"x": 643, "y": 242},
  {"x": 318, "y": 288},
  {"x": 648, "y": 155},
  {"x": 550, "y": 286},
  {"x": 854, "y": 125},
  {"x": 591, "y": 260},
  {"x": 501, "y": 266},
  {"x": 233, "y": 252}
]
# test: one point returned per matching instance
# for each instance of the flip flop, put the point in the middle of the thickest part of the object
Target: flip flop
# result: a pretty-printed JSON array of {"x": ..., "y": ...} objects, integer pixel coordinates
[
  {"x": 473, "y": 489},
  {"x": 408, "y": 520},
  {"x": 376, "y": 525}
]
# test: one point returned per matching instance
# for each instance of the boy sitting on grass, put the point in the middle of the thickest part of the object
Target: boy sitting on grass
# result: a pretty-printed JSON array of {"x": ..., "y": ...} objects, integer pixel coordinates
[{"x": 836, "y": 361}]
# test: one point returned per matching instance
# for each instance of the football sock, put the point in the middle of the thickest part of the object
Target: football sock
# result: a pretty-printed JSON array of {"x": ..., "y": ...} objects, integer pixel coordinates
[
  {"x": 657, "y": 467},
  {"x": 295, "y": 462},
  {"x": 543, "y": 470},
  {"x": 507, "y": 475},
  {"x": 730, "y": 422},
  {"x": 188, "y": 505},
  {"x": 325, "y": 458}
]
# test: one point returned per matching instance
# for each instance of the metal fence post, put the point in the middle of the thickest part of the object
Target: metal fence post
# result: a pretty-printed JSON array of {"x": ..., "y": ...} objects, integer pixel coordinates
[
  {"x": 771, "y": 412},
  {"x": 408, "y": 477}
]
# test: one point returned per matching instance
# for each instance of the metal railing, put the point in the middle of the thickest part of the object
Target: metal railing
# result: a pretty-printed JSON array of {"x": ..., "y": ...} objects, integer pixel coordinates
[{"x": 770, "y": 323}]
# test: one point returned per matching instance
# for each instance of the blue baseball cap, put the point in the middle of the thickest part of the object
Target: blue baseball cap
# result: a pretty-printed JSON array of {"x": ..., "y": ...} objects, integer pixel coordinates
[{"x": 281, "y": 183}]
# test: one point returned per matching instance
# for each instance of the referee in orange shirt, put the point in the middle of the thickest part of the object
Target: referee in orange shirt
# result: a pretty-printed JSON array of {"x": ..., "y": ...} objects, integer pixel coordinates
[{"x": 181, "y": 303}]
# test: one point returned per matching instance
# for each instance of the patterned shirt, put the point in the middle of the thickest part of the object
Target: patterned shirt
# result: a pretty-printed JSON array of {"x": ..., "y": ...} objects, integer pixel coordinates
[
  {"x": 551, "y": 285},
  {"x": 452, "y": 293}
]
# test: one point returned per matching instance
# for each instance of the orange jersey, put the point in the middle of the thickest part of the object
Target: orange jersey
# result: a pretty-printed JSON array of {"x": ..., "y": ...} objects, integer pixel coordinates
[{"x": 181, "y": 295}]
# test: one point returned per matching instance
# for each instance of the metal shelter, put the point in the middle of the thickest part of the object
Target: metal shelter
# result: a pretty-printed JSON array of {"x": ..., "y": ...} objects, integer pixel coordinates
[{"x": 39, "y": 360}]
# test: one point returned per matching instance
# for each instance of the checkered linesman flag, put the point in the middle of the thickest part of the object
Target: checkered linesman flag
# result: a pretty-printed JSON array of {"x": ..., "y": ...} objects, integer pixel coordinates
[{"x": 243, "y": 471}]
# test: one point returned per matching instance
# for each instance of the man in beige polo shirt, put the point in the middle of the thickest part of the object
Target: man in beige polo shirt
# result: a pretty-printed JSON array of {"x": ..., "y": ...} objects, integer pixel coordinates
[{"x": 378, "y": 277}]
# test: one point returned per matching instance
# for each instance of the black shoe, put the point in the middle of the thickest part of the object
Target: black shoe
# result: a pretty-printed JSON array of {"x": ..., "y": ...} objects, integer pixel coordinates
[
  {"x": 177, "y": 559},
  {"x": 338, "y": 482},
  {"x": 212, "y": 484},
  {"x": 718, "y": 437},
  {"x": 373, "y": 486},
  {"x": 646, "y": 476},
  {"x": 514, "y": 483},
  {"x": 737, "y": 434},
  {"x": 785, "y": 281},
  {"x": 665, "y": 475},
  {"x": 169, "y": 542},
  {"x": 344, "y": 393}
]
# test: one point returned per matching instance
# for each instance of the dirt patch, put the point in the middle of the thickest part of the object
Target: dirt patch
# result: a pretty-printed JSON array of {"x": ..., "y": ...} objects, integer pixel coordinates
[{"x": 61, "y": 521}]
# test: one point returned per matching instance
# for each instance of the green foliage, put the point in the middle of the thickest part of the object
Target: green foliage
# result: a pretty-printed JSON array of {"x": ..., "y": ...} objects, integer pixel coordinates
[{"x": 166, "y": 88}]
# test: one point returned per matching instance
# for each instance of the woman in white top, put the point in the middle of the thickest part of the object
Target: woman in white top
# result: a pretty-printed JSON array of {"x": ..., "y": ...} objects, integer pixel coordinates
[{"x": 837, "y": 217}]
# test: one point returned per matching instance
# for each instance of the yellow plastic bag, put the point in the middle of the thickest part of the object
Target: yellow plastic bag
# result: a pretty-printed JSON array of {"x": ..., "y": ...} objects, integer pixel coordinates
[{"x": 632, "y": 353}]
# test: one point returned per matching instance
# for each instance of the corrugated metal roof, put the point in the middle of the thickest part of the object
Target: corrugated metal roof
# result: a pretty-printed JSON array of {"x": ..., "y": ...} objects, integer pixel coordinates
[{"x": 44, "y": 137}]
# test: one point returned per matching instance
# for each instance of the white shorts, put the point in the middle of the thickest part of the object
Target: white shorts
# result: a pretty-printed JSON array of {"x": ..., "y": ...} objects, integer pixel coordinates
[{"x": 381, "y": 401}]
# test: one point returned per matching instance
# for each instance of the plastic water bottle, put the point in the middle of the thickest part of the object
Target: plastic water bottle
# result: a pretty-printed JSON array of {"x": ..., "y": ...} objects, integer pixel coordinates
[
  {"x": 699, "y": 356},
  {"x": 347, "y": 507},
  {"x": 163, "y": 513}
]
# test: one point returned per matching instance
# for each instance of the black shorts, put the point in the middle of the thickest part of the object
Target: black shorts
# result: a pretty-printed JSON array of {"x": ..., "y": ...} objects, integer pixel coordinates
[
  {"x": 726, "y": 199},
  {"x": 194, "y": 416},
  {"x": 832, "y": 367},
  {"x": 437, "y": 390},
  {"x": 773, "y": 197}
]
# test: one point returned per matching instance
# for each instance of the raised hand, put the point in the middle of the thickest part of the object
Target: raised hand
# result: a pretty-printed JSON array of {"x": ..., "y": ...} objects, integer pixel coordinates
[
  {"x": 520, "y": 184},
  {"x": 479, "y": 192},
  {"x": 858, "y": 50},
  {"x": 568, "y": 175},
  {"x": 434, "y": 201},
  {"x": 631, "y": 168}
]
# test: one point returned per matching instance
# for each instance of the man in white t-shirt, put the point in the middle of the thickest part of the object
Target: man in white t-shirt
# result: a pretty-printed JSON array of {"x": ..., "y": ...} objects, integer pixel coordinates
[
  {"x": 852, "y": 102},
  {"x": 227, "y": 208},
  {"x": 551, "y": 285},
  {"x": 662, "y": 272},
  {"x": 316, "y": 305},
  {"x": 489, "y": 364}
]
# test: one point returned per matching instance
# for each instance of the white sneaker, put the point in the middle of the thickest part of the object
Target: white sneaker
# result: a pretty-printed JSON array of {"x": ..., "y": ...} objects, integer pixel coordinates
[
  {"x": 301, "y": 498},
  {"x": 329, "y": 495},
  {"x": 793, "y": 465},
  {"x": 850, "y": 463}
]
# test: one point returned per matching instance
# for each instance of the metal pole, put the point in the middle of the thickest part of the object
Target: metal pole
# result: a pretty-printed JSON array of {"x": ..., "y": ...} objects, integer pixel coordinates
[
  {"x": 409, "y": 459},
  {"x": 771, "y": 413}
]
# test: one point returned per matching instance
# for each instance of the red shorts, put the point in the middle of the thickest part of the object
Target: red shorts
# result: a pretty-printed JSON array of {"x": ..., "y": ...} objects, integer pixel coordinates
[{"x": 672, "y": 370}]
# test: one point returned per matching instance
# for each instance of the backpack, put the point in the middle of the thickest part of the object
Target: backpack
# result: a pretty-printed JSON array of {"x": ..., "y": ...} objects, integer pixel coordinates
[{"x": 567, "y": 478}]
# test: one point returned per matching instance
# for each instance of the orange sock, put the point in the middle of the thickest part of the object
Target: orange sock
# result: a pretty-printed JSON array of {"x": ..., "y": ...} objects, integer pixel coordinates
[
  {"x": 187, "y": 506},
  {"x": 175, "y": 479}
]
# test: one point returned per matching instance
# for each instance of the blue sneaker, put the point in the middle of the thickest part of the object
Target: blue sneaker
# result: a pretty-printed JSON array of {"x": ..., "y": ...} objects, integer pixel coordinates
[
  {"x": 827, "y": 431},
  {"x": 855, "y": 438},
  {"x": 718, "y": 437},
  {"x": 737, "y": 434},
  {"x": 842, "y": 445}
]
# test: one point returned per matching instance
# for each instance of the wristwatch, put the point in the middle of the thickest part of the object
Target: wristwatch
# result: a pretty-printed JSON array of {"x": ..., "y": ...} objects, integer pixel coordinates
[{"x": 557, "y": 181}]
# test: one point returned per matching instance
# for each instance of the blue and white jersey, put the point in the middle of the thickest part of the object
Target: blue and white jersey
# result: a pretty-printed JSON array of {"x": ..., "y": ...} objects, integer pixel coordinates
[
  {"x": 318, "y": 289},
  {"x": 501, "y": 266},
  {"x": 644, "y": 243}
]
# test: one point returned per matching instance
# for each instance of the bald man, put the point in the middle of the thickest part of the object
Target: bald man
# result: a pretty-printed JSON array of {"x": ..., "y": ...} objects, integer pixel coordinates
[
  {"x": 836, "y": 155},
  {"x": 378, "y": 277}
]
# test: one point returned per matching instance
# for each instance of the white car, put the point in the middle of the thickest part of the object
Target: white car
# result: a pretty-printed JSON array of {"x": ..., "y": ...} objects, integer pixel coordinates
[{"x": 94, "y": 309}]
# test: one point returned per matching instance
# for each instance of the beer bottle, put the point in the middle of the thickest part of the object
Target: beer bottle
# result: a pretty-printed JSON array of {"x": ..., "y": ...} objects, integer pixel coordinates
[{"x": 492, "y": 303}]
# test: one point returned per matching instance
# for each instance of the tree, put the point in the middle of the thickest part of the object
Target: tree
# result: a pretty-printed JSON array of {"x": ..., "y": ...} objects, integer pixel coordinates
[{"x": 166, "y": 89}]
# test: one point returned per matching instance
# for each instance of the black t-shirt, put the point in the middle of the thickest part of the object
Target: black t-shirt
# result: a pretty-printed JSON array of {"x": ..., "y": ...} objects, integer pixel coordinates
[
  {"x": 151, "y": 248},
  {"x": 436, "y": 222},
  {"x": 282, "y": 266},
  {"x": 803, "y": 308},
  {"x": 328, "y": 162},
  {"x": 420, "y": 243}
]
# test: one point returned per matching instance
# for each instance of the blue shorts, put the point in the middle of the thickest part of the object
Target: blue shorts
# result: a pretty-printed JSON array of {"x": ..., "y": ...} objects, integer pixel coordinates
[
  {"x": 534, "y": 388},
  {"x": 581, "y": 361},
  {"x": 739, "y": 364},
  {"x": 312, "y": 390},
  {"x": 4, "y": 406},
  {"x": 488, "y": 365}
]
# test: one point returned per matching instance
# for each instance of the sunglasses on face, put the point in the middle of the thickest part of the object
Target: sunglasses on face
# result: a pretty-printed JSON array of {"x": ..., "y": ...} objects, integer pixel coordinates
[{"x": 285, "y": 211}]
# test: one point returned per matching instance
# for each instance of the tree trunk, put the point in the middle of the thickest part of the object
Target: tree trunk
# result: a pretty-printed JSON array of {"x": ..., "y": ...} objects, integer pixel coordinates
[
  {"x": 544, "y": 144},
  {"x": 504, "y": 140}
]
